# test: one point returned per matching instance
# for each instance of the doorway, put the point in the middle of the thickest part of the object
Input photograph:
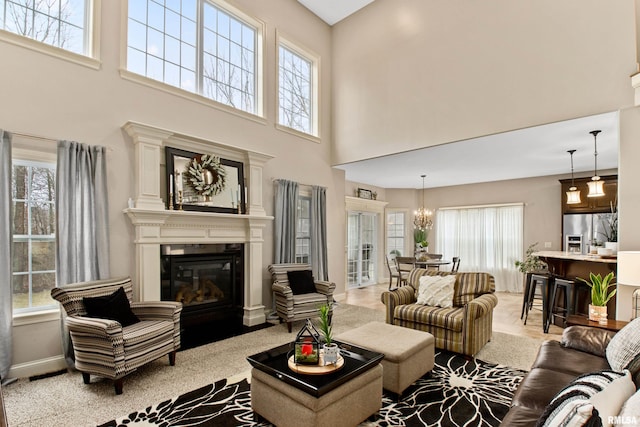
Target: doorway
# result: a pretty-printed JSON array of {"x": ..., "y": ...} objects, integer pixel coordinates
[{"x": 362, "y": 238}]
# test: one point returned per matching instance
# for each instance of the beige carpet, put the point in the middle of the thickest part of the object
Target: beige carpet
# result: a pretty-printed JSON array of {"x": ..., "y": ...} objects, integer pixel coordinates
[{"x": 64, "y": 400}]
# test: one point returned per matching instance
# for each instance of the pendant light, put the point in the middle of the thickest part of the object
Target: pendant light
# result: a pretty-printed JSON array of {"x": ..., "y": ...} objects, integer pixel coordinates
[
  {"x": 573, "y": 195},
  {"x": 596, "y": 185},
  {"x": 422, "y": 218}
]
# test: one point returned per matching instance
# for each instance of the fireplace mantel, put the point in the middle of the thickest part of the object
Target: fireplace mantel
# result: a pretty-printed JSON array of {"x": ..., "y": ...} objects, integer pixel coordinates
[{"x": 155, "y": 225}]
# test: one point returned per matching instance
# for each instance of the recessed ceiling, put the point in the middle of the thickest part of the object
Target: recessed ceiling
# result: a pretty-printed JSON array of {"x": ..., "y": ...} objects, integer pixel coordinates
[
  {"x": 332, "y": 11},
  {"x": 525, "y": 153}
]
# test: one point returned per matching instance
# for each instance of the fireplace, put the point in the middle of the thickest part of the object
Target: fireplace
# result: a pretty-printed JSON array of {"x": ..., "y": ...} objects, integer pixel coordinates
[
  {"x": 156, "y": 227},
  {"x": 208, "y": 279}
]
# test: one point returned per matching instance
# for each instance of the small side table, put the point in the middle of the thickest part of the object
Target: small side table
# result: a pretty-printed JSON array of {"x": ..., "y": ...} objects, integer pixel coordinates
[{"x": 611, "y": 325}]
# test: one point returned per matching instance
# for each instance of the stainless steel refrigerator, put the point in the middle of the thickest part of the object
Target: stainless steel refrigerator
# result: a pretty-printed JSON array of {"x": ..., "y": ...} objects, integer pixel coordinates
[{"x": 580, "y": 230}]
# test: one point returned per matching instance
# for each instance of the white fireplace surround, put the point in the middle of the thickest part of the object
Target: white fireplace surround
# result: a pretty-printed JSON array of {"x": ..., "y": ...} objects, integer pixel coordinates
[{"x": 155, "y": 225}]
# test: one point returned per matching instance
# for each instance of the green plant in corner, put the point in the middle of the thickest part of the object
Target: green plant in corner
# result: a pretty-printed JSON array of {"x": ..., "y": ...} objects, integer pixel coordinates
[
  {"x": 531, "y": 262},
  {"x": 325, "y": 323},
  {"x": 600, "y": 294}
]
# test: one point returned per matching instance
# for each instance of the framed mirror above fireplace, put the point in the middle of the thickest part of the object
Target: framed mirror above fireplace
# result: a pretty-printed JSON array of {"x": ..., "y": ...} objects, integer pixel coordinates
[{"x": 230, "y": 199}]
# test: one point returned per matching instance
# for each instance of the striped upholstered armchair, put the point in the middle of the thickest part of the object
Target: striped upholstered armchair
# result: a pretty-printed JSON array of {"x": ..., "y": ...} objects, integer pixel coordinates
[
  {"x": 292, "y": 306},
  {"x": 107, "y": 349},
  {"x": 464, "y": 328}
]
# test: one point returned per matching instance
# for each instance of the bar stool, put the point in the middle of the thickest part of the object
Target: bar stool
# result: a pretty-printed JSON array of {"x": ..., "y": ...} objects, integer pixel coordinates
[
  {"x": 525, "y": 294},
  {"x": 568, "y": 287},
  {"x": 539, "y": 282}
]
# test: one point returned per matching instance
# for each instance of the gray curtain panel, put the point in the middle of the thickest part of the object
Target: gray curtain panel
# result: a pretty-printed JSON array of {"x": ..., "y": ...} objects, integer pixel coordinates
[
  {"x": 319, "y": 232},
  {"x": 82, "y": 246},
  {"x": 6, "y": 293},
  {"x": 286, "y": 202},
  {"x": 82, "y": 214}
]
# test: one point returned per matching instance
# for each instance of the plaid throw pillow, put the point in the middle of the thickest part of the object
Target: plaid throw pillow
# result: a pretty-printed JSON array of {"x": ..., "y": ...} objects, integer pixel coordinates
[{"x": 623, "y": 351}]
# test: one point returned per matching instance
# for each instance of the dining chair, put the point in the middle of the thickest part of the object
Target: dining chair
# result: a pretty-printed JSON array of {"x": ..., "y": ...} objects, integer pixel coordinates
[
  {"x": 393, "y": 271},
  {"x": 455, "y": 264}
]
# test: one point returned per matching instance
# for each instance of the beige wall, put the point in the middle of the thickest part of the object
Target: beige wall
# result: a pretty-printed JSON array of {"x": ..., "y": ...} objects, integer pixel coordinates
[
  {"x": 54, "y": 98},
  {"x": 418, "y": 73}
]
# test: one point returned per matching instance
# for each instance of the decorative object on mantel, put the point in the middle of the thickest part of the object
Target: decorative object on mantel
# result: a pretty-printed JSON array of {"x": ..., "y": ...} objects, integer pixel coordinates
[
  {"x": 596, "y": 185},
  {"x": 423, "y": 215},
  {"x": 573, "y": 195},
  {"x": 204, "y": 182},
  {"x": 365, "y": 194},
  {"x": 600, "y": 295},
  {"x": 206, "y": 175}
]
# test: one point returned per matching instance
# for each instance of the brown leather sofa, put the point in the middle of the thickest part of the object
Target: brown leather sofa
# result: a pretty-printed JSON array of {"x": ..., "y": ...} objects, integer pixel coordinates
[{"x": 581, "y": 351}]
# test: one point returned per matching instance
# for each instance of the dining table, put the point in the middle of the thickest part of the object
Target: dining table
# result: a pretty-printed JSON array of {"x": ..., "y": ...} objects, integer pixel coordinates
[{"x": 434, "y": 263}]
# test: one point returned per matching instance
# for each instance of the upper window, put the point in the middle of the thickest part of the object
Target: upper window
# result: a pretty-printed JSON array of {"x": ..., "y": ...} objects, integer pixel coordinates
[
  {"x": 34, "y": 254},
  {"x": 196, "y": 45},
  {"x": 60, "y": 23},
  {"x": 297, "y": 105}
]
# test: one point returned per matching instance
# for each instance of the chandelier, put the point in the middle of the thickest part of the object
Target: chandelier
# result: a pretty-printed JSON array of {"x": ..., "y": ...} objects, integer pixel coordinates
[
  {"x": 596, "y": 188},
  {"x": 573, "y": 195},
  {"x": 423, "y": 215}
]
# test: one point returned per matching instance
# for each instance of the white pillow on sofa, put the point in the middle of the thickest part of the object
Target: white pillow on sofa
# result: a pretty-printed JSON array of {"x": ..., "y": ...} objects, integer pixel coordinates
[{"x": 436, "y": 290}]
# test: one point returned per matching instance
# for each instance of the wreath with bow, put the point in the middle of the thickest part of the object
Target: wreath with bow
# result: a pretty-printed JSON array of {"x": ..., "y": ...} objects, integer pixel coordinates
[{"x": 206, "y": 175}]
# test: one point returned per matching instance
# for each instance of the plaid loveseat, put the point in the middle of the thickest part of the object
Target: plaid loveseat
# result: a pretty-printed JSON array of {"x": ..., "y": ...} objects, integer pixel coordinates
[
  {"x": 464, "y": 328},
  {"x": 104, "y": 347}
]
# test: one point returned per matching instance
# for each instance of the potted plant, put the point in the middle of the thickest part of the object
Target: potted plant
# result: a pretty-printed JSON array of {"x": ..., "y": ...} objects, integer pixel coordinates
[
  {"x": 531, "y": 263},
  {"x": 600, "y": 295},
  {"x": 329, "y": 347},
  {"x": 422, "y": 244}
]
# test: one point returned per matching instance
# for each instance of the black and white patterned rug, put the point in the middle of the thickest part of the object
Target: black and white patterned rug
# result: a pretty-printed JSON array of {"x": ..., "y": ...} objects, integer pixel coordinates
[{"x": 458, "y": 392}]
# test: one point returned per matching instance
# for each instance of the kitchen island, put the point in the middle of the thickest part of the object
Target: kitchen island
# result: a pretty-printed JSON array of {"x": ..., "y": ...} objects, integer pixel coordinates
[{"x": 572, "y": 266}]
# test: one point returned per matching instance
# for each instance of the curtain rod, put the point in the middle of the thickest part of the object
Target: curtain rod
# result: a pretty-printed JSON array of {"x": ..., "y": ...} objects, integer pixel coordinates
[
  {"x": 42, "y": 138},
  {"x": 299, "y": 183},
  {"x": 495, "y": 205},
  {"x": 32, "y": 136}
]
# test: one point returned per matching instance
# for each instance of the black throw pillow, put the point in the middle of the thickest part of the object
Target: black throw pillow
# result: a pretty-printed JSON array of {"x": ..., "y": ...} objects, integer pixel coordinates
[
  {"x": 114, "y": 307},
  {"x": 301, "y": 282}
]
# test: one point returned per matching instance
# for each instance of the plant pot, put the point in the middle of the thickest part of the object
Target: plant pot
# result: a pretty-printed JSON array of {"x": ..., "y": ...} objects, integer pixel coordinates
[
  {"x": 331, "y": 352},
  {"x": 613, "y": 246},
  {"x": 598, "y": 313}
]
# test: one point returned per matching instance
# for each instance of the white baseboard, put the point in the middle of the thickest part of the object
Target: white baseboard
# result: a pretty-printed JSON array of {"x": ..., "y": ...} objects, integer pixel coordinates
[{"x": 38, "y": 367}]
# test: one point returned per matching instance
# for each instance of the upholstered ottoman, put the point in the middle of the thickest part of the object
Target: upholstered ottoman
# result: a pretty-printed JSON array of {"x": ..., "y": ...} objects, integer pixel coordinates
[
  {"x": 408, "y": 353},
  {"x": 346, "y": 405}
]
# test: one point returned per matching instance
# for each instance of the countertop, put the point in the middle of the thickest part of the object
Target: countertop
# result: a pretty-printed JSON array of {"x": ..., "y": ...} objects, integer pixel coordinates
[{"x": 576, "y": 257}]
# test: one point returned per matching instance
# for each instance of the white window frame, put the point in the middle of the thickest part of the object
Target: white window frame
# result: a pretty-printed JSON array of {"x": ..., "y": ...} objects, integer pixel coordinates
[
  {"x": 314, "y": 59},
  {"x": 90, "y": 59},
  {"x": 43, "y": 150},
  {"x": 303, "y": 197},
  {"x": 404, "y": 213},
  {"x": 257, "y": 116},
  {"x": 29, "y": 238}
]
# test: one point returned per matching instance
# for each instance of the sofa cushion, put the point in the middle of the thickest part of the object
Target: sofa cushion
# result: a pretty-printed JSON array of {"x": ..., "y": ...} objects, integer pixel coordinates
[
  {"x": 554, "y": 356},
  {"x": 538, "y": 387},
  {"x": 631, "y": 409},
  {"x": 436, "y": 291},
  {"x": 623, "y": 351},
  {"x": 301, "y": 282},
  {"x": 114, "y": 307},
  {"x": 590, "y": 399},
  {"x": 446, "y": 318},
  {"x": 471, "y": 285}
]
